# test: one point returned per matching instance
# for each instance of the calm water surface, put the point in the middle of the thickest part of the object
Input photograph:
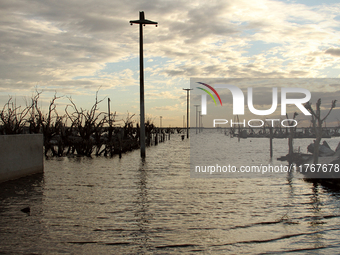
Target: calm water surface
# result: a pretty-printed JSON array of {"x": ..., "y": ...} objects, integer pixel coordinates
[{"x": 126, "y": 206}]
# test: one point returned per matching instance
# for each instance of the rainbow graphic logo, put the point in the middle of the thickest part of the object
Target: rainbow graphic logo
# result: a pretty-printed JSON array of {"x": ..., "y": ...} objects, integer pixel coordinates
[{"x": 209, "y": 93}]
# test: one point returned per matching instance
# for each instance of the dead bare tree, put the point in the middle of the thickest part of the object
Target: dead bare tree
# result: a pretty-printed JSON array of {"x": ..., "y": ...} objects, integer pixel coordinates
[
  {"x": 35, "y": 120},
  {"x": 85, "y": 128},
  {"x": 50, "y": 128},
  {"x": 128, "y": 126},
  {"x": 13, "y": 120},
  {"x": 84, "y": 135},
  {"x": 317, "y": 124}
]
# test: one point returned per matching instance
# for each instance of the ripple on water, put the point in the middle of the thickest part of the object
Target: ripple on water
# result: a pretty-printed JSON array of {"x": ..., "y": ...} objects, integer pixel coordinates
[{"x": 125, "y": 206}]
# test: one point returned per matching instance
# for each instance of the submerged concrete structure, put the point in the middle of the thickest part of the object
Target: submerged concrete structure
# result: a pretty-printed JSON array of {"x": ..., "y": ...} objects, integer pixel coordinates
[{"x": 20, "y": 155}]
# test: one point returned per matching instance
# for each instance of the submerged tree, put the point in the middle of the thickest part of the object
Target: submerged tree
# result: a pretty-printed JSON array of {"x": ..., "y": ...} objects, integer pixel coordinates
[
  {"x": 87, "y": 125},
  {"x": 89, "y": 130},
  {"x": 317, "y": 125},
  {"x": 50, "y": 124},
  {"x": 13, "y": 119}
]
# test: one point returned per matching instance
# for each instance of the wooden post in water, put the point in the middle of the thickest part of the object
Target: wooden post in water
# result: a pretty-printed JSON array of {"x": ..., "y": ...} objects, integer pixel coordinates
[
  {"x": 239, "y": 129},
  {"x": 271, "y": 141}
]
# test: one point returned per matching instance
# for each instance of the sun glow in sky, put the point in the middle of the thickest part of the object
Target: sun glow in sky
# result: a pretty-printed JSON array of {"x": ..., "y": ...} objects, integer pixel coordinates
[{"x": 77, "y": 47}]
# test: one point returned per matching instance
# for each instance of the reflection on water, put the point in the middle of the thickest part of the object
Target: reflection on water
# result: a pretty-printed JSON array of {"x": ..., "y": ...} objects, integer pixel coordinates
[
  {"x": 129, "y": 206},
  {"x": 143, "y": 216}
]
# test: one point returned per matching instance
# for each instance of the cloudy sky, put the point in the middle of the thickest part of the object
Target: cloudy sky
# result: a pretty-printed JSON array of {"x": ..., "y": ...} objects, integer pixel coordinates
[{"x": 78, "y": 47}]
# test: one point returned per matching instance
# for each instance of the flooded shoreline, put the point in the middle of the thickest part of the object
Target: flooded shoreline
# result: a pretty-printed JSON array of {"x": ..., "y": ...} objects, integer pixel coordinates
[{"x": 126, "y": 206}]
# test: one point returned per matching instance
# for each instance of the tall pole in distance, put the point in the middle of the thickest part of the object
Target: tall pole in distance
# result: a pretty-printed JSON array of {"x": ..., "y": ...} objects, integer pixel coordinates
[
  {"x": 199, "y": 121},
  {"x": 196, "y": 116},
  {"x": 142, "y": 21},
  {"x": 109, "y": 110},
  {"x": 187, "y": 111}
]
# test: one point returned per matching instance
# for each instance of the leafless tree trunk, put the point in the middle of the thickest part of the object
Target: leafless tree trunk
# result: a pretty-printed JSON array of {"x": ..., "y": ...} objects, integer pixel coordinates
[
  {"x": 12, "y": 118},
  {"x": 317, "y": 125},
  {"x": 86, "y": 127}
]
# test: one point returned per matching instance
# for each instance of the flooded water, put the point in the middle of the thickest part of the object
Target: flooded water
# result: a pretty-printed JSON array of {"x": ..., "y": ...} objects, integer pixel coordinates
[{"x": 126, "y": 206}]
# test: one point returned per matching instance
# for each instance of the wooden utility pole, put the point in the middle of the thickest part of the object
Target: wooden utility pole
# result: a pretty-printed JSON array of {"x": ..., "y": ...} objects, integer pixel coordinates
[
  {"x": 187, "y": 111},
  {"x": 196, "y": 116},
  {"x": 142, "y": 22}
]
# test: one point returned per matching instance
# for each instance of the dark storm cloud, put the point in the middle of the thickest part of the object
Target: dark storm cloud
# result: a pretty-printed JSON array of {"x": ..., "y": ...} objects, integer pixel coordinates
[{"x": 333, "y": 51}]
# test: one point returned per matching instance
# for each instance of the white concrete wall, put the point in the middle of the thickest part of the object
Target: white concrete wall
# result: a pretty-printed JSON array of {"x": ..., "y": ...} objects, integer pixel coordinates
[{"x": 20, "y": 155}]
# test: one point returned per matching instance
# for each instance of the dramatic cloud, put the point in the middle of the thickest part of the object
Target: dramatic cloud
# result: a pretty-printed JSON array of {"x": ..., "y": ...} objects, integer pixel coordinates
[
  {"x": 333, "y": 51},
  {"x": 75, "y": 46}
]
